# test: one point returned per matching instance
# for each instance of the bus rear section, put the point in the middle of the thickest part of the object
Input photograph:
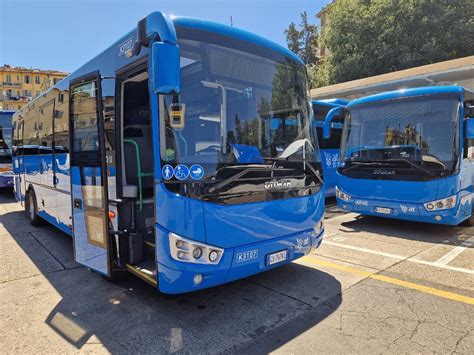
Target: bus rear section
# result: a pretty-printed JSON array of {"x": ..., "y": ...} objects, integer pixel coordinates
[
  {"x": 189, "y": 164},
  {"x": 409, "y": 155},
  {"x": 329, "y": 144},
  {"x": 6, "y": 170}
]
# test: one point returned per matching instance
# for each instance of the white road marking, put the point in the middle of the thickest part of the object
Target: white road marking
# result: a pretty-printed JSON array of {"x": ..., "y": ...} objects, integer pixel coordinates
[
  {"x": 399, "y": 257},
  {"x": 450, "y": 256}
]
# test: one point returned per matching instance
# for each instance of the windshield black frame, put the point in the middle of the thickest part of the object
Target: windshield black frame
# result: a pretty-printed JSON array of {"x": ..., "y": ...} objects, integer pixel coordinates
[
  {"x": 298, "y": 146},
  {"x": 413, "y": 150}
]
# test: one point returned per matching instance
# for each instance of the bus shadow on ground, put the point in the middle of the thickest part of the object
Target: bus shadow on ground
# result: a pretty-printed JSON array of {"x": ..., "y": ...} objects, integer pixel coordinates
[
  {"x": 416, "y": 231},
  {"x": 128, "y": 315}
]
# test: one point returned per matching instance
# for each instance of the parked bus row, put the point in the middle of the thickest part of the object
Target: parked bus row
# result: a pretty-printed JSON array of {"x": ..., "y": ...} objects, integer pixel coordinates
[{"x": 186, "y": 154}]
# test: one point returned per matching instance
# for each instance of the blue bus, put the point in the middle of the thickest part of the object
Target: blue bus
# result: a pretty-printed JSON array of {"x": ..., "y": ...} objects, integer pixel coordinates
[
  {"x": 6, "y": 173},
  {"x": 157, "y": 158},
  {"x": 408, "y": 155},
  {"x": 329, "y": 144}
]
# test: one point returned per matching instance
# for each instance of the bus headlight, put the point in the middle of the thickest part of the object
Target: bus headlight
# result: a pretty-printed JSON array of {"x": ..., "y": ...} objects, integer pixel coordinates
[
  {"x": 190, "y": 251},
  {"x": 443, "y": 204},
  {"x": 343, "y": 196}
]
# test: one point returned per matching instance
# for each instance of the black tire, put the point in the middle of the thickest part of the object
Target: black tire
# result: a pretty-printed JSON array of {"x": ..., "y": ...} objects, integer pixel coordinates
[
  {"x": 31, "y": 209},
  {"x": 468, "y": 222}
]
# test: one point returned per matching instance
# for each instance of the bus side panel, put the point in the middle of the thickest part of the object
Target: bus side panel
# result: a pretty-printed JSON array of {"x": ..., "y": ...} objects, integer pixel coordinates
[
  {"x": 329, "y": 159},
  {"x": 63, "y": 186},
  {"x": 466, "y": 194}
]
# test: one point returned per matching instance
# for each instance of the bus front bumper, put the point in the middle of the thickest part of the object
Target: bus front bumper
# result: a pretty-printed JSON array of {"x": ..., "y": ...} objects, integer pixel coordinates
[
  {"x": 180, "y": 277},
  {"x": 407, "y": 210}
]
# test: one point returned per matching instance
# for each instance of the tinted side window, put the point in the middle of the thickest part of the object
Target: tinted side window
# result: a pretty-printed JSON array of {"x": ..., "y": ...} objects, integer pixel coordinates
[
  {"x": 45, "y": 128},
  {"x": 84, "y": 120}
]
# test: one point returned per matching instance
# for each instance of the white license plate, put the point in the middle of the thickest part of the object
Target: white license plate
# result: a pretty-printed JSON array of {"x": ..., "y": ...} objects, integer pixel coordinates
[
  {"x": 383, "y": 210},
  {"x": 277, "y": 257}
]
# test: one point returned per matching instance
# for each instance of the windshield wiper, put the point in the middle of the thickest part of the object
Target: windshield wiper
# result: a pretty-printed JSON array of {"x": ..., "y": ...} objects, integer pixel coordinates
[
  {"x": 314, "y": 172},
  {"x": 311, "y": 169},
  {"x": 237, "y": 176}
]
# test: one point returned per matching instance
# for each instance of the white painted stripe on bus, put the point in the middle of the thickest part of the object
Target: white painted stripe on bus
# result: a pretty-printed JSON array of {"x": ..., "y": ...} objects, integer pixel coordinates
[
  {"x": 451, "y": 255},
  {"x": 399, "y": 257}
]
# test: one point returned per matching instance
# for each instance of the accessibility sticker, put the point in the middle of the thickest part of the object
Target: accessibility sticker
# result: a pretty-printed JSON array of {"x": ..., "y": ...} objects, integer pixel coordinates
[
  {"x": 181, "y": 172},
  {"x": 167, "y": 172},
  {"x": 196, "y": 171}
]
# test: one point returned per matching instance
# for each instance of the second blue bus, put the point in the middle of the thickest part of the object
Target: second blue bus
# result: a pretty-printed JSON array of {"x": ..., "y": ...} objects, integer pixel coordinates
[{"x": 409, "y": 154}]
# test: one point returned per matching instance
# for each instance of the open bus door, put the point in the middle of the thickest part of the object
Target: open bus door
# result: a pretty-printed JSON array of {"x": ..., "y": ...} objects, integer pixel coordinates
[{"x": 88, "y": 174}]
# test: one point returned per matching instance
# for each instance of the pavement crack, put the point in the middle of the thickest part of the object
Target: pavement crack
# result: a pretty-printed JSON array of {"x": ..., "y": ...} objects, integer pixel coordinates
[{"x": 459, "y": 342}]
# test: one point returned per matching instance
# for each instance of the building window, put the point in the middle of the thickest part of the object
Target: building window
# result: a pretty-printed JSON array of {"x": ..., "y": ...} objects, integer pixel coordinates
[
  {"x": 8, "y": 78},
  {"x": 56, "y": 80},
  {"x": 61, "y": 97},
  {"x": 27, "y": 79},
  {"x": 27, "y": 93},
  {"x": 17, "y": 77},
  {"x": 37, "y": 79}
]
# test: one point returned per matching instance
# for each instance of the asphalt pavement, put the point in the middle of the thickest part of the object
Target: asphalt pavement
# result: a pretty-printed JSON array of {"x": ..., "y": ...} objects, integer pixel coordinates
[{"x": 375, "y": 285}]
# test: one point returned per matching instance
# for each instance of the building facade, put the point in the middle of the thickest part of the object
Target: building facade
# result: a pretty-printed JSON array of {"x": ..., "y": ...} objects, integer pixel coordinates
[
  {"x": 20, "y": 85},
  {"x": 323, "y": 18}
]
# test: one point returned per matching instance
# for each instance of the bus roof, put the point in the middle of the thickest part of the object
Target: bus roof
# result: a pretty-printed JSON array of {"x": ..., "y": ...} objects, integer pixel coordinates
[
  {"x": 423, "y": 91},
  {"x": 194, "y": 23}
]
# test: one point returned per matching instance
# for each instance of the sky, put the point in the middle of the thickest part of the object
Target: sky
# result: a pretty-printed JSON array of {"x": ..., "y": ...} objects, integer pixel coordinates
[{"x": 64, "y": 34}]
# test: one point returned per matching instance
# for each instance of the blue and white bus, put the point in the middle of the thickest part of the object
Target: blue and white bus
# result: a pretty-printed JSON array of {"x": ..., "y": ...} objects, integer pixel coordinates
[
  {"x": 156, "y": 156},
  {"x": 329, "y": 144},
  {"x": 6, "y": 173},
  {"x": 408, "y": 155}
]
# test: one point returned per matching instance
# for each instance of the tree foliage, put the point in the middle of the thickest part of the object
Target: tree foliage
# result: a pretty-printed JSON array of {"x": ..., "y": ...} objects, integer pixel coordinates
[
  {"x": 371, "y": 37},
  {"x": 303, "y": 41}
]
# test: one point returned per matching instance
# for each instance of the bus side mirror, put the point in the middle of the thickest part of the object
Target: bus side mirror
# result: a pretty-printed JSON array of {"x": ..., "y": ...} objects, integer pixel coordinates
[
  {"x": 327, "y": 121},
  {"x": 470, "y": 128},
  {"x": 165, "y": 68}
]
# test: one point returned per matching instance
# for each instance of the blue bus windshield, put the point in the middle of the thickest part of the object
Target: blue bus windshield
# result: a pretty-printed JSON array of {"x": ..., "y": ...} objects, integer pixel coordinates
[
  {"x": 237, "y": 94},
  {"x": 5, "y": 137},
  {"x": 419, "y": 130}
]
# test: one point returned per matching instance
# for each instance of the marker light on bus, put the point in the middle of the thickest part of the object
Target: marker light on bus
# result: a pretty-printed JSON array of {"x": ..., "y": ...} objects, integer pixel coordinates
[
  {"x": 443, "y": 204},
  {"x": 190, "y": 251},
  {"x": 342, "y": 195}
]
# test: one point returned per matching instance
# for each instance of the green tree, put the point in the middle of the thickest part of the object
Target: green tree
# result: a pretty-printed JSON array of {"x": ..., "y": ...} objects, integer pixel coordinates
[
  {"x": 304, "y": 43},
  {"x": 293, "y": 38},
  {"x": 371, "y": 37},
  {"x": 309, "y": 41}
]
